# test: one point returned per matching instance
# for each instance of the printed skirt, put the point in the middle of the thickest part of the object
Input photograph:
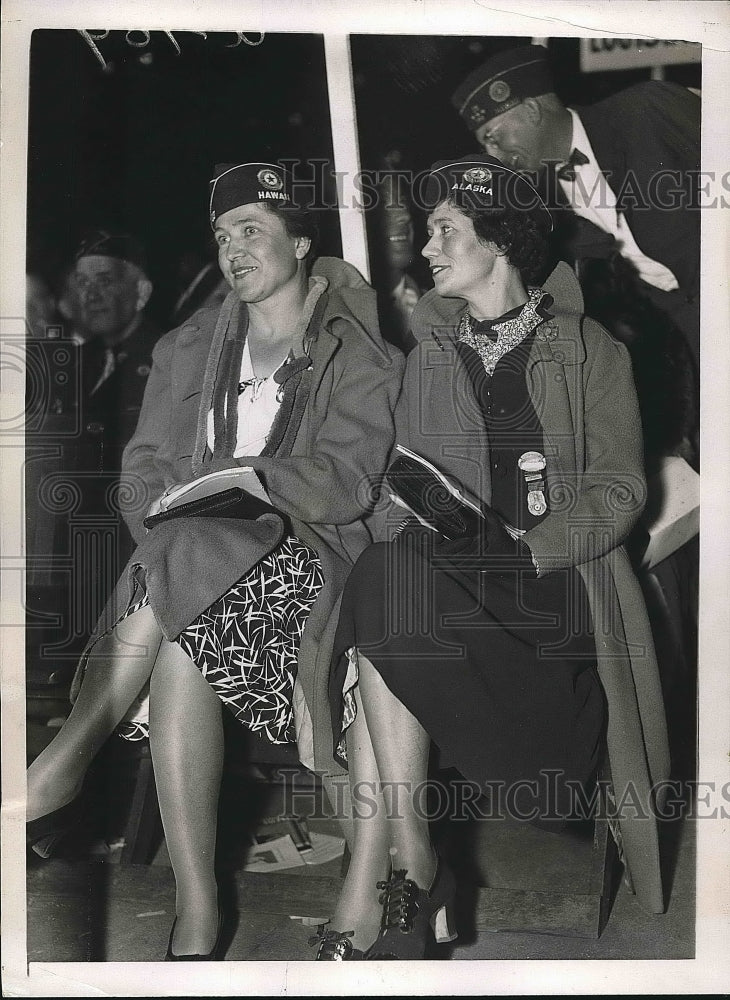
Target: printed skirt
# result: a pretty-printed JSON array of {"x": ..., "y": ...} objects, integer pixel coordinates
[{"x": 246, "y": 644}]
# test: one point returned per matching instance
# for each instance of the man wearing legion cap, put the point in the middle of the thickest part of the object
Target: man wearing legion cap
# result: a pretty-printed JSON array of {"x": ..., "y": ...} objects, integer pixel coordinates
[
  {"x": 106, "y": 292},
  {"x": 624, "y": 166}
]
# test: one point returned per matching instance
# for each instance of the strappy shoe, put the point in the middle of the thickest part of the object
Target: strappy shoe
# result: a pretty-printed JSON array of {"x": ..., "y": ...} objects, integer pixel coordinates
[
  {"x": 46, "y": 832},
  {"x": 214, "y": 955},
  {"x": 412, "y": 914},
  {"x": 335, "y": 946}
]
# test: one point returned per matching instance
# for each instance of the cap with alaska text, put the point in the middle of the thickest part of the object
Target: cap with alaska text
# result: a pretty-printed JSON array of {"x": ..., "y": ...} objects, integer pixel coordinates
[{"x": 482, "y": 182}]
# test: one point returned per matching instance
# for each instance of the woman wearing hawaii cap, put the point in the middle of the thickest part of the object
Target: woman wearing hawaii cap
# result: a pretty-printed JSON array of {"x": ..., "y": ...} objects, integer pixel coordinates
[
  {"x": 503, "y": 648},
  {"x": 290, "y": 385}
]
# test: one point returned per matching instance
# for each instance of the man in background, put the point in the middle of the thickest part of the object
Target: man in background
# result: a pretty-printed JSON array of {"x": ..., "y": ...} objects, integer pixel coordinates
[
  {"x": 107, "y": 290},
  {"x": 93, "y": 408},
  {"x": 393, "y": 253},
  {"x": 625, "y": 169}
]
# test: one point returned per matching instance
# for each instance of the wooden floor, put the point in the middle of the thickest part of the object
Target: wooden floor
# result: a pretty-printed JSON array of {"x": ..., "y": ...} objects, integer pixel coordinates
[{"x": 98, "y": 911}]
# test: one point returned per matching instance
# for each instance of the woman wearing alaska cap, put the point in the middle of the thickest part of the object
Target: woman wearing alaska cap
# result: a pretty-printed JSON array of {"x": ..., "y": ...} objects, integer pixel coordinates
[
  {"x": 290, "y": 385},
  {"x": 501, "y": 647}
]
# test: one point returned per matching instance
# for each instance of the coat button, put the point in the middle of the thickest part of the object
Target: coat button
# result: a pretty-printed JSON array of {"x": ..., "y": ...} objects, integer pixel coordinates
[
  {"x": 94, "y": 427},
  {"x": 559, "y": 356}
]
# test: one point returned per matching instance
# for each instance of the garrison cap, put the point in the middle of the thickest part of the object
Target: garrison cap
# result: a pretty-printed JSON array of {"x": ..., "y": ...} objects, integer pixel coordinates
[
  {"x": 482, "y": 182},
  {"x": 244, "y": 183},
  {"x": 121, "y": 246},
  {"x": 501, "y": 83}
]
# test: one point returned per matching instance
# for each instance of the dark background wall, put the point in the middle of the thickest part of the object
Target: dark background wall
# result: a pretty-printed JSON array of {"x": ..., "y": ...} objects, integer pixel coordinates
[{"x": 134, "y": 145}]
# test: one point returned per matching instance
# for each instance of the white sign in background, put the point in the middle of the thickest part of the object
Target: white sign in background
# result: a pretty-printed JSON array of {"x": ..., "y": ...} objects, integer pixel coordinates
[{"x": 600, "y": 54}]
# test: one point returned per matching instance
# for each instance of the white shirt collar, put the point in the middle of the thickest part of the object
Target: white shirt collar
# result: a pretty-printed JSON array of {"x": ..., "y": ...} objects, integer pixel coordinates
[{"x": 580, "y": 140}]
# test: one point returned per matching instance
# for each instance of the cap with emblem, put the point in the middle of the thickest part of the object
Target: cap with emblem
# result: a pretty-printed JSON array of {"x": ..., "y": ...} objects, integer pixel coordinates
[
  {"x": 479, "y": 181},
  {"x": 121, "y": 246},
  {"x": 502, "y": 83},
  {"x": 245, "y": 183}
]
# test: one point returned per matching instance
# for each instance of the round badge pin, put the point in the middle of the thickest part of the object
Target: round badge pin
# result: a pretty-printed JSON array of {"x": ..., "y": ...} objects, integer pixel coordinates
[
  {"x": 478, "y": 175},
  {"x": 270, "y": 179},
  {"x": 499, "y": 91}
]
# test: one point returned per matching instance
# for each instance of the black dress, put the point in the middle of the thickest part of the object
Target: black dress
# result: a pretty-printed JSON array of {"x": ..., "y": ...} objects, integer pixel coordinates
[{"x": 499, "y": 668}]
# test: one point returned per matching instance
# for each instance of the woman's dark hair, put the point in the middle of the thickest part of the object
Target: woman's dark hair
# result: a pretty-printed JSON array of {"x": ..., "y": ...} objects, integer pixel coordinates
[
  {"x": 298, "y": 222},
  {"x": 517, "y": 234}
]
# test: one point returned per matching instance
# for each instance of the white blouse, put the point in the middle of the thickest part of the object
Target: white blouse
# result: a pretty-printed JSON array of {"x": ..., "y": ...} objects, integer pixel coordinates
[{"x": 257, "y": 407}]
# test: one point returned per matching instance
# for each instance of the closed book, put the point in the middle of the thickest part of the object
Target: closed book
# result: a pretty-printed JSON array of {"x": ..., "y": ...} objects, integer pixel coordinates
[
  {"x": 234, "y": 502},
  {"x": 422, "y": 489}
]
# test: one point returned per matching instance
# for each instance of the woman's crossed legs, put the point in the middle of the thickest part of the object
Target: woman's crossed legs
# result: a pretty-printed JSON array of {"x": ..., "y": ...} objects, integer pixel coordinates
[{"x": 186, "y": 740}]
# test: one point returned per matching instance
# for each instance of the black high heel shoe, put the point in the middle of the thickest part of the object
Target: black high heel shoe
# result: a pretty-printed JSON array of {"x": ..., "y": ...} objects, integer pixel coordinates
[
  {"x": 335, "y": 946},
  {"x": 410, "y": 914},
  {"x": 214, "y": 955},
  {"x": 46, "y": 832}
]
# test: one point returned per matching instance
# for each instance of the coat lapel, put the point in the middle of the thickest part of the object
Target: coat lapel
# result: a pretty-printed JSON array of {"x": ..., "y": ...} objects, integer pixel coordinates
[{"x": 450, "y": 422}]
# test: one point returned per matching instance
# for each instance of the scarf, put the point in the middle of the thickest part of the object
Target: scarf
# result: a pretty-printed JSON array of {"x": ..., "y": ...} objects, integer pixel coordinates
[{"x": 510, "y": 332}]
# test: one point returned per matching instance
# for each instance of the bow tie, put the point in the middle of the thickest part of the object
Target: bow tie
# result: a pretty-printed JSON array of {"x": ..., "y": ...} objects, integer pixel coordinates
[{"x": 567, "y": 171}]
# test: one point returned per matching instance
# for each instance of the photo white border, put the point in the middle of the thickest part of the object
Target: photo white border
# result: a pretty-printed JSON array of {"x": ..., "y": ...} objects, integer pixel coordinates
[{"x": 704, "y": 22}]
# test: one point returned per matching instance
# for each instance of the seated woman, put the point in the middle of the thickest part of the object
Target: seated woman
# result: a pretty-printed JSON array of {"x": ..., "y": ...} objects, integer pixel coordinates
[
  {"x": 290, "y": 384},
  {"x": 490, "y": 645}
]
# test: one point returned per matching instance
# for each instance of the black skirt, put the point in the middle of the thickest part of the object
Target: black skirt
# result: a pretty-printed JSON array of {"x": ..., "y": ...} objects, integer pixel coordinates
[{"x": 500, "y": 670}]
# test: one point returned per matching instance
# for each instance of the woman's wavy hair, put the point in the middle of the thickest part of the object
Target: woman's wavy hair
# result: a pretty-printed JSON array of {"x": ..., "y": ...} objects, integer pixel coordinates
[
  {"x": 298, "y": 222},
  {"x": 520, "y": 235}
]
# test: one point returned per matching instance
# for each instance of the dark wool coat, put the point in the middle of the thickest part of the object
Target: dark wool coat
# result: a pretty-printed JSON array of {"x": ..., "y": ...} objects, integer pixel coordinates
[
  {"x": 344, "y": 437},
  {"x": 579, "y": 379},
  {"x": 646, "y": 140},
  {"x": 647, "y": 143}
]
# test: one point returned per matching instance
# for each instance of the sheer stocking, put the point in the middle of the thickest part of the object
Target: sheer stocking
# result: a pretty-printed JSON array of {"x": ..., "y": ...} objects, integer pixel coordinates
[
  {"x": 119, "y": 667},
  {"x": 186, "y": 739},
  {"x": 358, "y": 908},
  {"x": 401, "y": 748}
]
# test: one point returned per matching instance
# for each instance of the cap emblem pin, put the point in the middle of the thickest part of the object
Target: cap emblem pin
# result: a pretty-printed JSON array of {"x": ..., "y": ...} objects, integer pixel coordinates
[
  {"x": 477, "y": 175},
  {"x": 499, "y": 91},
  {"x": 270, "y": 179}
]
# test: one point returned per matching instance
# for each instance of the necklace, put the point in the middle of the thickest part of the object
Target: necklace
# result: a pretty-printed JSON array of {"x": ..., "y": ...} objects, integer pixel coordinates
[
  {"x": 255, "y": 384},
  {"x": 510, "y": 333}
]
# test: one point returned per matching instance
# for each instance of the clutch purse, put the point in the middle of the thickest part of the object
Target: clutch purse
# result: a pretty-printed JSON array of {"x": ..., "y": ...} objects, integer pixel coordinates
[{"x": 234, "y": 502}]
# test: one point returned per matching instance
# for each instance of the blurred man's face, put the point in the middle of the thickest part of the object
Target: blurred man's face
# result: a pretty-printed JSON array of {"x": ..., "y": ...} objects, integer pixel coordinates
[
  {"x": 105, "y": 296},
  {"x": 514, "y": 138}
]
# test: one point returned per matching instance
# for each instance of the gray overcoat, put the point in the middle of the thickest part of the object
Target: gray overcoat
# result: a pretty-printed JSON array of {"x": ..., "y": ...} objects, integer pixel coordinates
[
  {"x": 581, "y": 385},
  {"x": 321, "y": 483}
]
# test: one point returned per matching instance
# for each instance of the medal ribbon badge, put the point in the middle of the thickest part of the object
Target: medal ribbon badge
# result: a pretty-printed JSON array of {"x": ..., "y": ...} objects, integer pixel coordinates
[{"x": 532, "y": 465}]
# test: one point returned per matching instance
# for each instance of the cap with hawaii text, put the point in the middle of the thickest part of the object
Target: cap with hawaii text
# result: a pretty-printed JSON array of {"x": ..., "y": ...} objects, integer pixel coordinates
[{"x": 245, "y": 183}]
